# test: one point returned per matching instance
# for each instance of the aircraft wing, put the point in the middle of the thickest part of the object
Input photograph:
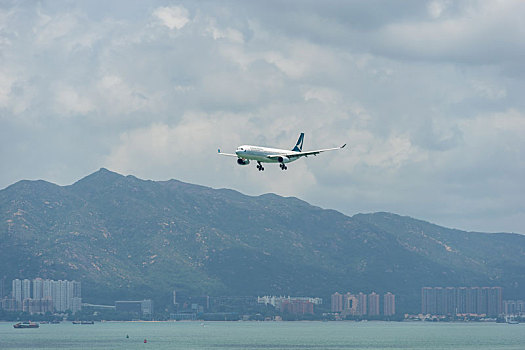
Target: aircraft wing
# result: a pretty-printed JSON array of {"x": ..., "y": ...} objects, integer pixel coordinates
[
  {"x": 227, "y": 154},
  {"x": 304, "y": 154}
]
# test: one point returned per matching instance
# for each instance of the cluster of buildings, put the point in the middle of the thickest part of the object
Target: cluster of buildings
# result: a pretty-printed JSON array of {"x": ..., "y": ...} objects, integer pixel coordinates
[
  {"x": 363, "y": 304},
  {"x": 291, "y": 305},
  {"x": 43, "y": 295},
  {"x": 473, "y": 301}
]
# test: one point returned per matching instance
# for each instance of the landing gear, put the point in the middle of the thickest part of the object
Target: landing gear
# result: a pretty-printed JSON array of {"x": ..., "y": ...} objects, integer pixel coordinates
[
  {"x": 259, "y": 166},
  {"x": 283, "y": 167}
]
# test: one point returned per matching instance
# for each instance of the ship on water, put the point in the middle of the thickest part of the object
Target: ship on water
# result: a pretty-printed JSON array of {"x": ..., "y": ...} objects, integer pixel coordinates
[{"x": 26, "y": 325}]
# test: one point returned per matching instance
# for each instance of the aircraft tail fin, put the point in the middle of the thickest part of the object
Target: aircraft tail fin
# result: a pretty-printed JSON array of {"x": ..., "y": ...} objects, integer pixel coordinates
[{"x": 299, "y": 145}]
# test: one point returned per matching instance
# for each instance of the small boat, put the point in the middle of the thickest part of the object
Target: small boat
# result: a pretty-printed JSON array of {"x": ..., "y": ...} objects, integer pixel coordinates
[
  {"x": 83, "y": 322},
  {"x": 26, "y": 325}
]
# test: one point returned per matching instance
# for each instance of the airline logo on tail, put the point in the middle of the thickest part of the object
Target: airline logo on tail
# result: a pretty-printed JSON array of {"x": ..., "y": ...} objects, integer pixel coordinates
[{"x": 299, "y": 145}]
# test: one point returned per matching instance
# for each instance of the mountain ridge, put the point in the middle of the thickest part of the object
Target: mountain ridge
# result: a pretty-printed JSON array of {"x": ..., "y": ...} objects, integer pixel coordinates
[{"x": 127, "y": 237}]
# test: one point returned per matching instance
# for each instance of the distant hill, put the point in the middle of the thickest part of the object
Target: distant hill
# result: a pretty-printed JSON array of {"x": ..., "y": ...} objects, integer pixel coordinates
[{"x": 128, "y": 238}]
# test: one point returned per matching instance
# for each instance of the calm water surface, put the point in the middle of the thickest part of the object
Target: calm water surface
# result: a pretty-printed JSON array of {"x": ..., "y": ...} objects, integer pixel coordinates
[{"x": 266, "y": 335}]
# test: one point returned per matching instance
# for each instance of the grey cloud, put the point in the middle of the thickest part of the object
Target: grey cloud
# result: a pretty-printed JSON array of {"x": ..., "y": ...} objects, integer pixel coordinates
[{"x": 433, "y": 122}]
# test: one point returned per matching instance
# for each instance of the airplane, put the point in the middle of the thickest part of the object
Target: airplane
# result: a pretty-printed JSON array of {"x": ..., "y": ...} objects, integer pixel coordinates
[{"x": 245, "y": 153}]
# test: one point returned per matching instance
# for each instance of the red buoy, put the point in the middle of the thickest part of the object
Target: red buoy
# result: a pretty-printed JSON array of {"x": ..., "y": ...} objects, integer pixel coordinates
[{"x": 145, "y": 341}]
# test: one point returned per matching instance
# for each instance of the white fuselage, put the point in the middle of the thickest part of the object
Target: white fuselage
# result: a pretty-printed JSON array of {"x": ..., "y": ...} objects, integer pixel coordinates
[{"x": 261, "y": 154}]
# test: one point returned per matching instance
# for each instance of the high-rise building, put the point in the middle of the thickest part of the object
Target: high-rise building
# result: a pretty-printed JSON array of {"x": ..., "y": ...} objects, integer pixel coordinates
[
  {"x": 483, "y": 301},
  {"x": 428, "y": 301},
  {"x": 26, "y": 289},
  {"x": 439, "y": 293},
  {"x": 509, "y": 307},
  {"x": 16, "y": 292},
  {"x": 450, "y": 301},
  {"x": 494, "y": 302},
  {"x": 38, "y": 288},
  {"x": 389, "y": 304},
  {"x": 76, "y": 304},
  {"x": 461, "y": 300},
  {"x": 361, "y": 304},
  {"x": 473, "y": 294},
  {"x": 373, "y": 304},
  {"x": 336, "y": 302},
  {"x": 2, "y": 288},
  {"x": 47, "y": 289},
  {"x": 520, "y": 307},
  {"x": 350, "y": 303}
]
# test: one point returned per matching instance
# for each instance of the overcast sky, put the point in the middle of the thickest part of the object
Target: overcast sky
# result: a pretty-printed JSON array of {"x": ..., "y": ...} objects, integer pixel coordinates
[{"x": 428, "y": 95}]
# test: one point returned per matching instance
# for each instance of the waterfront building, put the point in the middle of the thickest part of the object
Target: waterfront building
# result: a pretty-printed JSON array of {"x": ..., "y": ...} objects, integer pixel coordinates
[
  {"x": 389, "y": 304},
  {"x": 350, "y": 304},
  {"x": 146, "y": 307},
  {"x": 428, "y": 301},
  {"x": 520, "y": 307},
  {"x": 140, "y": 307},
  {"x": 361, "y": 304},
  {"x": 373, "y": 304},
  {"x": 40, "y": 296},
  {"x": 495, "y": 302},
  {"x": 37, "y": 306},
  {"x": 336, "y": 302},
  {"x": 10, "y": 304},
  {"x": 297, "y": 306},
  {"x": 473, "y": 294},
  {"x": 439, "y": 294},
  {"x": 461, "y": 300},
  {"x": 76, "y": 304},
  {"x": 2, "y": 288},
  {"x": 452, "y": 301},
  {"x": 514, "y": 307},
  {"x": 38, "y": 288},
  {"x": 509, "y": 307},
  {"x": 26, "y": 289},
  {"x": 47, "y": 289},
  {"x": 483, "y": 301},
  {"x": 16, "y": 291},
  {"x": 221, "y": 303}
]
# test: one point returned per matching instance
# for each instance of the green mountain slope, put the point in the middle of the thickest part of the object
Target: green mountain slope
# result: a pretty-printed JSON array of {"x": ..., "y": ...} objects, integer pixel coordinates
[{"x": 128, "y": 238}]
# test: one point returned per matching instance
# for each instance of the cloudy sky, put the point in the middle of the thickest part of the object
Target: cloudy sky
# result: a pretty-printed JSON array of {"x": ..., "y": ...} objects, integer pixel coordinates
[{"x": 428, "y": 95}]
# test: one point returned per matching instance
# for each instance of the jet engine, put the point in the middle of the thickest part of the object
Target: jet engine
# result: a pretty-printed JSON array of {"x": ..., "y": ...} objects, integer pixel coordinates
[
  {"x": 283, "y": 160},
  {"x": 241, "y": 161}
]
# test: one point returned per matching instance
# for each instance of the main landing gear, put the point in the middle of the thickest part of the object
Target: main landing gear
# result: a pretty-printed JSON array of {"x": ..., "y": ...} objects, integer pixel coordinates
[
  {"x": 259, "y": 166},
  {"x": 283, "y": 167}
]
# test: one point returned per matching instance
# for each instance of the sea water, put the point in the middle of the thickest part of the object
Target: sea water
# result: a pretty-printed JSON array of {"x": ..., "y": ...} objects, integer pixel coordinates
[{"x": 266, "y": 335}]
